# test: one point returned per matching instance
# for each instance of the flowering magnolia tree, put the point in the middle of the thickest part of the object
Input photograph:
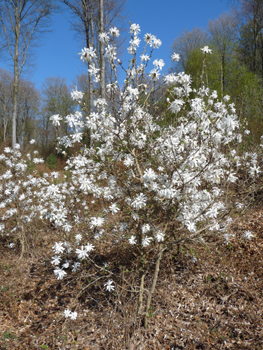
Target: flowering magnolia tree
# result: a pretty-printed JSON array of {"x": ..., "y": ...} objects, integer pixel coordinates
[{"x": 157, "y": 185}]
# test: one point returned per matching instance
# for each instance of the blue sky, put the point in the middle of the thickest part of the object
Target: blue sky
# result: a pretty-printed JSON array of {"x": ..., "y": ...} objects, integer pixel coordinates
[{"x": 58, "y": 54}]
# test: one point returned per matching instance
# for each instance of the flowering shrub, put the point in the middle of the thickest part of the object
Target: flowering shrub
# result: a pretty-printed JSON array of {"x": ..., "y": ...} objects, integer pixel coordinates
[
  {"x": 17, "y": 189},
  {"x": 156, "y": 184}
]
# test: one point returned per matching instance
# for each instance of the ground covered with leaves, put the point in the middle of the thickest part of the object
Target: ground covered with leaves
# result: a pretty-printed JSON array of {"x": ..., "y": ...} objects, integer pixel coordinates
[{"x": 208, "y": 296}]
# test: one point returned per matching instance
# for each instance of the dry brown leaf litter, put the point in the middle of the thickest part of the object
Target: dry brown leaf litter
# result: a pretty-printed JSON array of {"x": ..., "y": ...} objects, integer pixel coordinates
[{"x": 213, "y": 303}]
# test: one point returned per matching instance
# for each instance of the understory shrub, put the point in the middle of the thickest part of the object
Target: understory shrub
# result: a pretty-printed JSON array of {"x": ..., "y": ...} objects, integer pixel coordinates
[{"x": 52, "y": 162}]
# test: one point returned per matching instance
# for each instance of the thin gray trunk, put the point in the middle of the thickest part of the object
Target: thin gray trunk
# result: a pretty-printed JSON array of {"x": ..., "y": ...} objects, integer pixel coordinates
[
  {"x": 222, "y": 79},
  {"x": 5, "y": 115},
  {"x": 92, "y": 44},
  {"x": 155, "y": 277},
  {"x": 16, "y": 74},
  {"x": 15, "y": 93},
  {"x": 102, "y": 61}
]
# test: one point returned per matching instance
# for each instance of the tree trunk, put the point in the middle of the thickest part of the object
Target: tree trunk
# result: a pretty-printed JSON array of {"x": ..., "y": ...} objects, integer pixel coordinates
[
  {"x": 155, "y": 277},
  {"x": 16, "y": 75},
  {"x": 14, "y": 112},
  {"x": 102, "y": 61}
]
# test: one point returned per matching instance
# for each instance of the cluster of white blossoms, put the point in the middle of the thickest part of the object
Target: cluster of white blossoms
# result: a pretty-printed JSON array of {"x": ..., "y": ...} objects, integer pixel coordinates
[
  {"x": 72, "y": 315},
  {"x": 136, "y": 164},
  {"x": 166, "y": 167},
  {"x": 17, "y": 188}
]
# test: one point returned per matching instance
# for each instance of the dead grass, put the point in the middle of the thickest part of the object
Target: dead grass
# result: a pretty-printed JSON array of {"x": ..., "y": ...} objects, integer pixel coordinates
[{"x": 213, "y": 303}]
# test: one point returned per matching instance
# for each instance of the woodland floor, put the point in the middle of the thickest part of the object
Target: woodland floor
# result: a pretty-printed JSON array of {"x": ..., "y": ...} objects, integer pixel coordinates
[{"x": 213, "y": 303}]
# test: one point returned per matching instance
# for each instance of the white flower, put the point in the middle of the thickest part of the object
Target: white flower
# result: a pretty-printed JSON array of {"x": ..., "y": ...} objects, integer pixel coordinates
[
  {"x": 89, "y": 247},
  {"x": 214, "y": 94},
  {"x": 11, "y": 245},
  {"x": 149, "y": 175},
  {"x": 56, "y": 118},
  {"x": 54, "y": 174},
  {"x": 159, "y": 64},
  {"x": 254, "y": 171},
  {"x": 98, "y": 234},
  {"x": 240, "y": 205},
  {"x": 128, "y": 160},
  {"x": 78, "y": 237},
  {"x": 66, "y": 265},
  {"x": 159, "y": 236},
  {"x": 232, "y": 177},
  {"x": 93, "y": 70},
  {"x": 148, "y": 38},
  {"x": 175, "y": 57},
  {"x": 111, "y": 52},
  {"x": 88, "y": 54},
  {"x": 60, "y": 273},
  {"x": 58, "y": 248},
  {"x": 140, "y": 201},
  {"x": 206, "y": 49},
  {"x": 156, "y": 43},
  {"x": 67, "y": 313},
  {"x": 227, "y": 237},
  {"x": 146, "y": 241},
  {"x": 248, "y": 235},
  {"x": 32, "y": 142},
  {"x": 191, "y": 226},
  {"x": 176, "y": 106},
  {"x": 67, "y": 227},
  {"x": 76, "y": 95},
  {"x": 145, "y": 58},
  {"x": 132, "y": 240},
  {"x": 135, "y": 216},
  {"x": 135, "y": 29},
  {"x": 38, "y": 160},
  {"x": 155, "y": 74},
  {"x": 109, "y": 286},
  {"x": 104, "y": 38},
  {"x": 96, "y": 222},
  {"x": 82, "y": 252},
  {"x": 146, "y": 228},
  {"x": 73, "y": 315},
  {"x": 56, "y": 260},
  {"x": 114, "y": 209},
  {"x": 114, "y": 32},
  {"x": 76, "y": 265}
]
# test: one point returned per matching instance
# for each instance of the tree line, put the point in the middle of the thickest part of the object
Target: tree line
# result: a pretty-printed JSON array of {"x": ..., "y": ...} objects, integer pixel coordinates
[
  {"x": 34, "y": 110},
  {"x": 235, "y": 67},
  {"x": 22, "y": 24}
]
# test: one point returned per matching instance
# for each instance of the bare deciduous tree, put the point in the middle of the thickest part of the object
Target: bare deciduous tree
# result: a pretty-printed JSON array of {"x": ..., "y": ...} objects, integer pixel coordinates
[
  {"x": 5, "y": 102},
  {"x": 224, "y": 32},
  {"x": 56, "y": 99},
  {"x": 90, "y": 18},
  {"x": 187, "y": 42},
  {"x": 251, "y": 37},
  {"x": 28, "y": 109},
  {"x": 20, "y": 23}
]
